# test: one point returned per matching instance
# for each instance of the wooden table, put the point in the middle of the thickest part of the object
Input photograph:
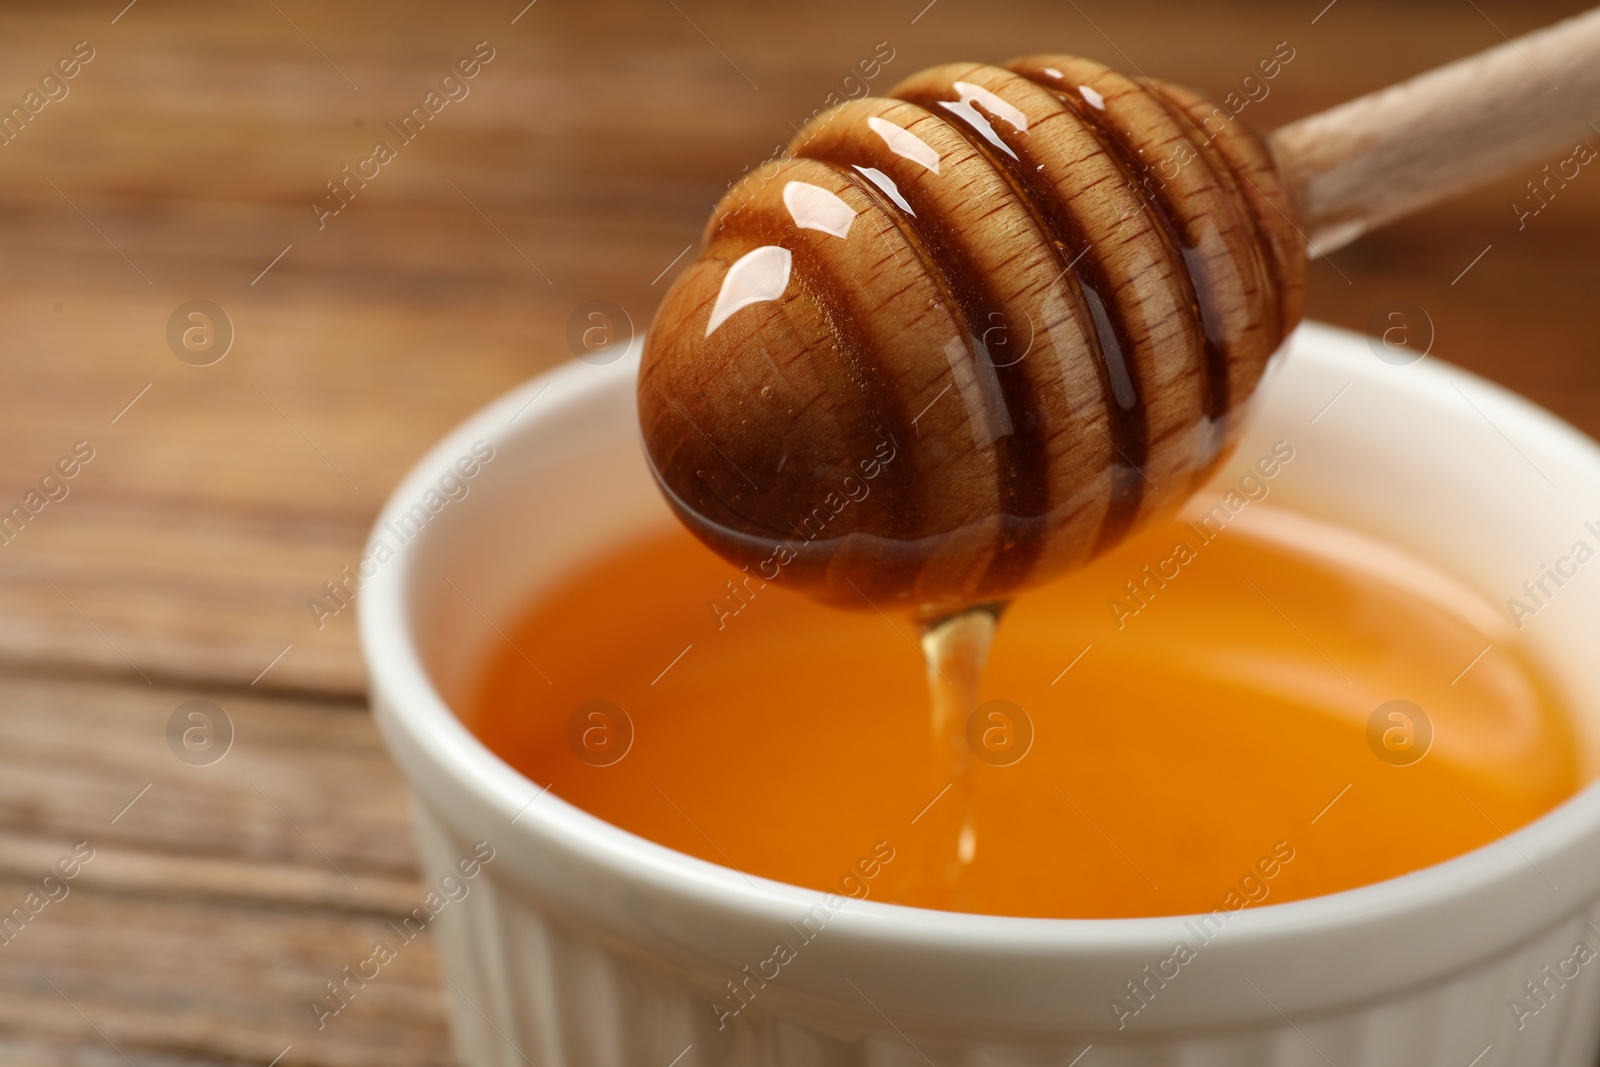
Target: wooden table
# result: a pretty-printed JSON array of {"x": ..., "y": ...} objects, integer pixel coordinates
[{"x": 182, "y": 164}]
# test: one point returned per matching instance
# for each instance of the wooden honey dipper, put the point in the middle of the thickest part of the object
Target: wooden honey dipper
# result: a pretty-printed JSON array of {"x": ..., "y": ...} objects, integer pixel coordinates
[{"x": 964, "y": 338}]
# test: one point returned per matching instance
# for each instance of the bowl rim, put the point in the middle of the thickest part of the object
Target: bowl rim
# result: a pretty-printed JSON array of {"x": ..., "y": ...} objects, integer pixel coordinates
[{"x": 434, "y": 747}]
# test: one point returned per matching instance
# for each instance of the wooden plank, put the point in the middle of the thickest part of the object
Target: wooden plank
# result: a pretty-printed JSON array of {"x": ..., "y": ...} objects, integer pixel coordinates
[{"x": 221, "y": 900}]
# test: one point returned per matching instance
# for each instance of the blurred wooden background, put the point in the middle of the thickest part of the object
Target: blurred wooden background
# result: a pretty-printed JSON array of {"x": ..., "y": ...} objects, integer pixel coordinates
[{"x": 184, "y": 160}]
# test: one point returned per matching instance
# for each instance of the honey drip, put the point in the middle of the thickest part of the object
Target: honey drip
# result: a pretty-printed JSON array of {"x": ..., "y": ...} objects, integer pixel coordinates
[{"x": 956, "y": 650}]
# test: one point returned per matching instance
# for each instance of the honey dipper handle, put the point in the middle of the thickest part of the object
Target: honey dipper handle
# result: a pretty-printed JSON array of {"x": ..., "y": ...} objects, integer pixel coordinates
[{"x": 1395, "y": 151}]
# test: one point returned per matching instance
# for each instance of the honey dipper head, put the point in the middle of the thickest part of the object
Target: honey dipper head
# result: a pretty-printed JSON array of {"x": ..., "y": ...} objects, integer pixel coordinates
[{"x": 964, "y": 338}]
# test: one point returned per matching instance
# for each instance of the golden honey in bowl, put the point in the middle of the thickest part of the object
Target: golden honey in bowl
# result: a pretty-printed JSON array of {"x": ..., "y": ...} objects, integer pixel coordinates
[{"x": 1202, "y": 718}]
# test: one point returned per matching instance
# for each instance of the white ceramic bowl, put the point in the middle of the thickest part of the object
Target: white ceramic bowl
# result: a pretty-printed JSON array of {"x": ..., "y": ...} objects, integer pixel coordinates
[{"x": 582, "y": 945}]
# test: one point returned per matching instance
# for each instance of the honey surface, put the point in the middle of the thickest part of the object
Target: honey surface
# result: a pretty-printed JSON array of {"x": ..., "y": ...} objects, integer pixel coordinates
[{"x": 1208, "y": 745}]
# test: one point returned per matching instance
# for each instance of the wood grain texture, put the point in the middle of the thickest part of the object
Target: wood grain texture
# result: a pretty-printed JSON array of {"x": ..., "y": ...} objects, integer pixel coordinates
[
  {"x": 219, "y": 899},
  {"x": 1372, "y": 160},
  {"x": 595, "y": 143}
]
